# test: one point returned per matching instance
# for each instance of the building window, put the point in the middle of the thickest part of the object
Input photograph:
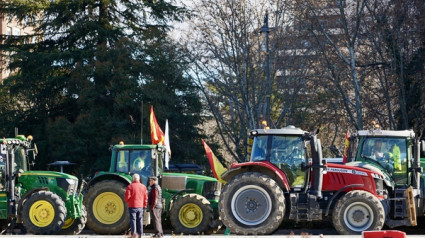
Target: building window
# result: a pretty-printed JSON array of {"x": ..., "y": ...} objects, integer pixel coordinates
[
  {"x": 16, "y": 31},
  {"x": 8, "y": 31}
]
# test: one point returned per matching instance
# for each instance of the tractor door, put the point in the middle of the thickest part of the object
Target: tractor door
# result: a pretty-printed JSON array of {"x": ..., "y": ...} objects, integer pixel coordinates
[
  {"x": 285, "y": 152},
  {"x": 135, "y": 161},
  {"x": 389, "y": 152}
]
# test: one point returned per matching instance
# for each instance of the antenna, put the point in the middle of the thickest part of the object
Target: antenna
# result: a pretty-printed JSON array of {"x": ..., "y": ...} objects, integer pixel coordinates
[
  {"x": 141, "y": 124},
  {"x": 16, "y": 131}
]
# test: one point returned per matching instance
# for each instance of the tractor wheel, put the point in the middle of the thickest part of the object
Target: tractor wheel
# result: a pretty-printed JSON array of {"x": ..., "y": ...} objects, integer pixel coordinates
[
  {"x": 74, "y": 226},
  {"x": 107, "y": 212},
  {"x": 358, "y": 211},
  {"x": 252, "y": 204},
  {"x": 43, "y": 213},
  {"x": 191, "y": 214}
]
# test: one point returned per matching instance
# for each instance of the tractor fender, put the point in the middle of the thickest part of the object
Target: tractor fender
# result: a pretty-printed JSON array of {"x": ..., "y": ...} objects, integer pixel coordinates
[
  {"x": 263, "y": 167},
  {"x": 108, "y": 176},
  {"x": 336, "y": 195},
  {"x": 24, "y": 197}
]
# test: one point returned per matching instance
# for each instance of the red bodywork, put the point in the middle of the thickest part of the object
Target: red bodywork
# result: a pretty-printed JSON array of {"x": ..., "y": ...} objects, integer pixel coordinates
[{"x": 337, "y": 177}]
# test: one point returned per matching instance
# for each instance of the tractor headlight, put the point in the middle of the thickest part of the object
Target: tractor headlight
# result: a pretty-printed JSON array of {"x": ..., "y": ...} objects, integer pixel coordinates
[
  {"x": 71, "y": 181},
  {"x": 68, "y": 185}
]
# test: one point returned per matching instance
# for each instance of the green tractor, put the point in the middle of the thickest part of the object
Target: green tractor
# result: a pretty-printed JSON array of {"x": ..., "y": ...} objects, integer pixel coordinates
[
  {"x": 396, "y": 154},
  {"x": 44, "y": 202},
  {"x": 190, "y": 201}
]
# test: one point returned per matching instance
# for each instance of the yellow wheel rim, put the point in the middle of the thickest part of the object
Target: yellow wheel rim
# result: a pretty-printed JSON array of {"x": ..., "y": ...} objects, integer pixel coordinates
[
  {"x": 108, "y": 208},
  {"x": 190, "y": 215},
  {"x": 68, "y": 223},
  {"x": 42, "y": 213}
]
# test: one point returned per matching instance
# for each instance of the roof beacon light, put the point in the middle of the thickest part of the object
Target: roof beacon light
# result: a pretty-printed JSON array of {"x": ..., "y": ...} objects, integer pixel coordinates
[{"x": 121, "y": 143}]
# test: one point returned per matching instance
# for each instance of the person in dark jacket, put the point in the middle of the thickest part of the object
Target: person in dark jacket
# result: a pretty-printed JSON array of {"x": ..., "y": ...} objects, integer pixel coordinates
[
  {"x": 136, "y": 197},
  {"x": 155, "y": 206}
]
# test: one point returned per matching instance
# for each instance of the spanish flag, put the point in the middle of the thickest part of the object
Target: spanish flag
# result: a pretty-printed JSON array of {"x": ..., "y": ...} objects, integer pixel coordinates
[
  {"x": 347, "y": 147},
  {"x": 157, "y": 135},
  {"x": 217, "y": 168}
]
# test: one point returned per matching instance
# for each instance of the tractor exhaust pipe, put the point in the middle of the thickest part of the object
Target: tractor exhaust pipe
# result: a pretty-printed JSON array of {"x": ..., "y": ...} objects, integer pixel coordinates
[
  {"x": 417, "y": 164},
  {"x": 317, "y": 167},
  {"x": 10, "y": 159}
]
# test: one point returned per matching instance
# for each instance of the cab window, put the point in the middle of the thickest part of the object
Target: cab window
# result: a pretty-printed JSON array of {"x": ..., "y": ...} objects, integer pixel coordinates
[{"x": 391, "y": 153}]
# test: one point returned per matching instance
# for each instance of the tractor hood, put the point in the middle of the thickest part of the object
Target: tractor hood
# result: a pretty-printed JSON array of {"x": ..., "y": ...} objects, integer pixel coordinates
[
  {"x": 191, "y": 183},
  {"x": 347, "y": 177},
  {"x": 377, "y": 169},
  {"x": 189, "y": 176},
  {"x": 48, "y": 174},
  {"x": 57, "y": 182}
]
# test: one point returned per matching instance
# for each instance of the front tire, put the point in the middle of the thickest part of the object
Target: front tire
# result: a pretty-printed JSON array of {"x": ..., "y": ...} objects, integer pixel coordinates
[
  {"x": 74, "y": 226},
  {"x": 252, "y": 204},
  {"x": 43, "y": 213},
  {"x": 191, "y": 214},
  {"x": 107, "y": 212},
  {"x": 358, "y": 211}
]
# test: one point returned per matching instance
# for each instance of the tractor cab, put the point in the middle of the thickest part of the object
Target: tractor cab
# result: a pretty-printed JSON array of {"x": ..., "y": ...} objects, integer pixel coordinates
[
  {"x": 145, "y": 160},
  {"x": 388, "y": 151},
  {"x": 285, "y": 148}
]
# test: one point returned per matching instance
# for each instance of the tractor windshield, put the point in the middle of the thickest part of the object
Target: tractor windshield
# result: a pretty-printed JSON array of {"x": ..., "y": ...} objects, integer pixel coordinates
[
  {"x": 135, "y": 161},
  {"x": 285, "y": 152},
  {"x": 390, "y": 153},
  {"x": 21, "y": 159}
]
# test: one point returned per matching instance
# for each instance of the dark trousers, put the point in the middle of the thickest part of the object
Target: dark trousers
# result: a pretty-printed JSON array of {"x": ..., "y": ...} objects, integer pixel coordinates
[
  {"x": 156, "y": 217},
  {"x": 136, "y": 220}
]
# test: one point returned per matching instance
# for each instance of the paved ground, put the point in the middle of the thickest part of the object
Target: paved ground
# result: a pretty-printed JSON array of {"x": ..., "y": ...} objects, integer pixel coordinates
[{"x": 315, "y": 231}]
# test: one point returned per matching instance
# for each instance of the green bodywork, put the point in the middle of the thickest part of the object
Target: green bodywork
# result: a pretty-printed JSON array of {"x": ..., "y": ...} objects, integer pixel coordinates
[
  {"x": 124, "y": 158},
  {"x": 28, "y": 182},
  {"x": 64, "y": 185}
]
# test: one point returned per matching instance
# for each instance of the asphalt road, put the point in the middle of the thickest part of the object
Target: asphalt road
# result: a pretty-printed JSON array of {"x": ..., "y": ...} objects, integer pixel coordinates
[{"x": 306, "y": 230}]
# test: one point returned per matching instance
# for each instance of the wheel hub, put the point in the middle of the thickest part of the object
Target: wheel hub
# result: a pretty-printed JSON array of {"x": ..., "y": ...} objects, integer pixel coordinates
[
  {"x": 42, "y": 213},
  {"x": 251, "y": 205},
  {"x": 358, "y": 216},
  {"x": 108, "y": 208},
  {"x": 190, "y": 215}
]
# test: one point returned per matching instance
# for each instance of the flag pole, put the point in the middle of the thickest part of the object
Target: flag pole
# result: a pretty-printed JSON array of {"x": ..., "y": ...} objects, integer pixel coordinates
[{"x": 141, "y": 124}]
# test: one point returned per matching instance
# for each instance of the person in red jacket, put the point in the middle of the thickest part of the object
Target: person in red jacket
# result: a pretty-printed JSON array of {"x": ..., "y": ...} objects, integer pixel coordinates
[{"x": 136, "y": 197}]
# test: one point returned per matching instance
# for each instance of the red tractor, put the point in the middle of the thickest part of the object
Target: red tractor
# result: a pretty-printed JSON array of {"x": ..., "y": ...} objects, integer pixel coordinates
[{"x": 281, "y": 182}]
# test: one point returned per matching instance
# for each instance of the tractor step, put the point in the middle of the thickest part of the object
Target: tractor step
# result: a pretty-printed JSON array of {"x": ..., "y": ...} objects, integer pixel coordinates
[{"x": 304, "y": 207}]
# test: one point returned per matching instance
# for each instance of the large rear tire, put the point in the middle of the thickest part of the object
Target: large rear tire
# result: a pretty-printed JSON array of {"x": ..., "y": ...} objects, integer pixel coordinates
[
  {"x": 107, "y": 212},
  {"x": 43, "y": 213},
  {"x": 74, "y": 226},
  {"x": 191, "y": 214},
  {"x": 252, "y": 204},
  {"x": 358, "y": 211}
]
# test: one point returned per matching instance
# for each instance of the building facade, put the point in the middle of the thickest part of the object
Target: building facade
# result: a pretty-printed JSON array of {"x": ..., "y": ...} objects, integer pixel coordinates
[{"x": 10, "y": 27}]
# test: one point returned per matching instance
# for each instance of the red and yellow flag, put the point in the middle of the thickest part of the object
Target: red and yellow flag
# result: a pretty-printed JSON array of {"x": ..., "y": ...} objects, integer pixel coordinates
[
  {"x": 217, "y": 168},
  {"x": 157, "y": 135},
  {"x": 347, "y": 147}
]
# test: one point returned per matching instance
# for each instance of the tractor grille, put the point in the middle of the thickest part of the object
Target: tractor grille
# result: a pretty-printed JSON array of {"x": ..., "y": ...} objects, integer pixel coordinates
[
  {"x": 70, "y": 186},
  {"x": 43, "y": 180},
  {"x": 212, "y": 190}
]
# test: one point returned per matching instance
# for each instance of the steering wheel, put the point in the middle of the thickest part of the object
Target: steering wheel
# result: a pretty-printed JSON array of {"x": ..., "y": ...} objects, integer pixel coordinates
[{"x": 138, "y": 164}]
